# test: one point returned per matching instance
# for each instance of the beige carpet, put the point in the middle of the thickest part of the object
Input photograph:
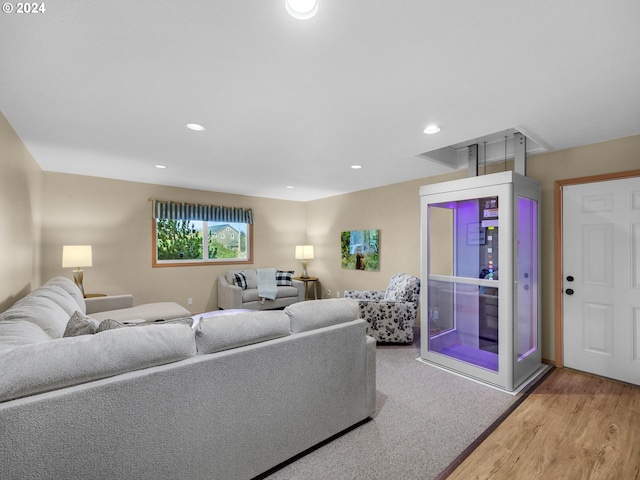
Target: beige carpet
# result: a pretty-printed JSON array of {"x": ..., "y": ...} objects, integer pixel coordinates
[{"x": 424, "y": 419}]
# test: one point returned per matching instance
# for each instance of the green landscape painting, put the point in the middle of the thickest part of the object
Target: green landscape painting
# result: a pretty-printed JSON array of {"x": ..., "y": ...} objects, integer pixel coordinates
[{"x": 360, "y": 250}]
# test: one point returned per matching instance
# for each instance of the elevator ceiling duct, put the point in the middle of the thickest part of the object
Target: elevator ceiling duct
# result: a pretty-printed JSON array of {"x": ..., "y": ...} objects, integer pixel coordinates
[{"x": 491, "y": 149}]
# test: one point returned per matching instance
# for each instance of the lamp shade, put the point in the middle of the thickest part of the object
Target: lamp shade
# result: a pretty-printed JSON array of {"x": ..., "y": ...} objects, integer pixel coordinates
[
  {"x": 304, "y": 252},
  {"x": 76, "y": 256}
]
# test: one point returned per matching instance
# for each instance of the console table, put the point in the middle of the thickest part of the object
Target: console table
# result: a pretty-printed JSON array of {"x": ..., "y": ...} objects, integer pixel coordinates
[{"x": 306, "y": 286}]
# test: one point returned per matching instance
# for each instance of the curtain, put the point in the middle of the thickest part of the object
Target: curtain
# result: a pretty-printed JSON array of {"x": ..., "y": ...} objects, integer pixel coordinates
[{"x": 165, "y": 210}]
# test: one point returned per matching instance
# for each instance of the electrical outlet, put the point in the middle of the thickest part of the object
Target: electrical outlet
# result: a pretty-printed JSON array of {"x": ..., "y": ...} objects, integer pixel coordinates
[
  {"x": 338, "y": 294},
  {"x": 328, "y": 294},
  {"x": 189, "y": 301}
]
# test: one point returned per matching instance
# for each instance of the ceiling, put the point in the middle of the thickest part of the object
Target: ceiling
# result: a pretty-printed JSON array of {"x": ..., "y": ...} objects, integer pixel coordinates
[{"x": 106, "y": 88}]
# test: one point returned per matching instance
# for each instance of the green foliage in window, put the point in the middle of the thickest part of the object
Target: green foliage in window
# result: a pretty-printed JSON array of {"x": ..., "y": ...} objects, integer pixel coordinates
[{"x": 178, "y": 240}]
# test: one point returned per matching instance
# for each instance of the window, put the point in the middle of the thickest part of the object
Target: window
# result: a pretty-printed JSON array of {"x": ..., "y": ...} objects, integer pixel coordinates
[{"x": 200, "y": 241}]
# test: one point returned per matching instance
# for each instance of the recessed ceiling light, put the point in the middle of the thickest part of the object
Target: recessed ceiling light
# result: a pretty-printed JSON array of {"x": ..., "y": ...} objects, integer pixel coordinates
[
  {"x": 301, "y": 9},
  {"x": 289, "y": 186},
  {"x": 356, "y": 167},
  {"x": 160, "y": 166},
  {"x": 431, "y": 129},
  {"x": 196, "y": 127}
]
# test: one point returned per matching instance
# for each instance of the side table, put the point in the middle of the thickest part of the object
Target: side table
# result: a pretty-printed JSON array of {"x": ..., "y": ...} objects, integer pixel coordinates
[{"x": 306, "y": 286}]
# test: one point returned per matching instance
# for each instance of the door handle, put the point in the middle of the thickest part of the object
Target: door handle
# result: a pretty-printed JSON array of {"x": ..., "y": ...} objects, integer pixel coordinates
[
  {"x": 570, "y": 278},
  {"x": 569, "y": 291}
]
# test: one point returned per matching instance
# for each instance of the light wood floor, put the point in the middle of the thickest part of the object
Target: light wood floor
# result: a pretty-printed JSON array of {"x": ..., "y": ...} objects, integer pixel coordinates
[{"x": 573, "y": 426}]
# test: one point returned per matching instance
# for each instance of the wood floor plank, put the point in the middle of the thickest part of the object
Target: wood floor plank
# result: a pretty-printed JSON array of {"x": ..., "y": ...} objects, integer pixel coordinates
[{"x": 573, "y": 426}]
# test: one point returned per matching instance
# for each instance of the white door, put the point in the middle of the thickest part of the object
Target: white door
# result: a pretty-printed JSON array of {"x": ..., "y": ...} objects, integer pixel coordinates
[{"x": 601, "y": 278}]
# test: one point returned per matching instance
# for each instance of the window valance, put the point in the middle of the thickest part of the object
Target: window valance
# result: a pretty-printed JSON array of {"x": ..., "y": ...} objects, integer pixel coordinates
[{"x": 167, "y": 210}]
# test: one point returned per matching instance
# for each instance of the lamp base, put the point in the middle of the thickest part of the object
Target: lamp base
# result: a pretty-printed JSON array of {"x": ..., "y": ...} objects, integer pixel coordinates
[
  {"x": 304, "y": 270},
  {"x": 77, "y": 279}
]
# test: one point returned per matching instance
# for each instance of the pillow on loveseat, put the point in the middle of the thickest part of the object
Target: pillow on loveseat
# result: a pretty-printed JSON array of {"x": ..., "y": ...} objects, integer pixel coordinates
[
  {"x": 240, "y": 280},
  {"x": 283, "y": 278}
]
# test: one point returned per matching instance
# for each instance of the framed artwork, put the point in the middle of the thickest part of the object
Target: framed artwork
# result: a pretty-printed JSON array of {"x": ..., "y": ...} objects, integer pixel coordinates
[{"x": 360, "y": 250}]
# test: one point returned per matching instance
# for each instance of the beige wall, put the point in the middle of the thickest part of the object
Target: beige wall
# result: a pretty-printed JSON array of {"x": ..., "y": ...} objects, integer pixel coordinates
[
  {"x": 115, "y": 217},
  {"x": 20, "y": 204}
]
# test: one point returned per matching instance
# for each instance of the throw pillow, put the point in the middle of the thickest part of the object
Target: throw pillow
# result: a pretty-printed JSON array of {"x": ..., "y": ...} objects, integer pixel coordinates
[
  {"x": 80, "y": 324},
  {"x": 283, "y": 278},
  {"x": 109, "y": 324},
  {"x": 241, "y": 280}
]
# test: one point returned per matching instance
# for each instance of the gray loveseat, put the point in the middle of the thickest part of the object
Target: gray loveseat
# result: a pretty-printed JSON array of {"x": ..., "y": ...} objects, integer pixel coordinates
[
  {"x": 233, "y": 296},
  {"x": 229, "y": 398}
]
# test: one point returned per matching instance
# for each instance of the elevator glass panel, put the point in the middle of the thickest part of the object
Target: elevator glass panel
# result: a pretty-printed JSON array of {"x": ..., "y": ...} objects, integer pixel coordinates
[
  {"x": 527, "y": 294},
  {"x": 463, "y": 280}
]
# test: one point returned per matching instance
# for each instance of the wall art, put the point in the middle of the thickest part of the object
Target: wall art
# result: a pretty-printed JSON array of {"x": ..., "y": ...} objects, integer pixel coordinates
[{"x": 360, "y": 250}]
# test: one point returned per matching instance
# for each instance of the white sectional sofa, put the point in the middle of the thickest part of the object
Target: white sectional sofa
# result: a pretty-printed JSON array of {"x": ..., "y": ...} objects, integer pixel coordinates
[
  {"x": 234, "y": 296},
  {"x": 231, "y": 397}
]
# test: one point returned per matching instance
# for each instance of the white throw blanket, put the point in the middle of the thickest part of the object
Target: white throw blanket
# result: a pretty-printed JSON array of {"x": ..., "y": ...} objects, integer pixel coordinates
[{"x": 267, "y": 287}]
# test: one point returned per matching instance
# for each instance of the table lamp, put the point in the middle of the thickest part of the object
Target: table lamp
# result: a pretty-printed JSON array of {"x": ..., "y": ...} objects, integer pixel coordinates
[
  {"x": 77, "y": 256},
  {"x": 304, "y": 253}
]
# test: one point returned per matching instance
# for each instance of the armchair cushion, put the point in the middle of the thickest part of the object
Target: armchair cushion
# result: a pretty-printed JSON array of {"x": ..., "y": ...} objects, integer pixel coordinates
[{"x": 402, "y": 288}]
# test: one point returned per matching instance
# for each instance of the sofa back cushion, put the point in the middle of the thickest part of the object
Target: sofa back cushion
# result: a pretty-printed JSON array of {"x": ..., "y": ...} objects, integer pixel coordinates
[
  {"x": 232, "y": 330},
  {"x": 70, "y": 288},
  {"x": 59, "y": 296},
  {"x": 15, "y": 333},
  {"x": 314, "y": 314},
  {"x": 59, "y": 363},
  {"x": 42, "y": 311}
]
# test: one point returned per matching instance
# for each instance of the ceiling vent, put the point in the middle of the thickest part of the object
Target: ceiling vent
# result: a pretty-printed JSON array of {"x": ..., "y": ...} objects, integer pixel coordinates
[{"x": 493, "y": 148}]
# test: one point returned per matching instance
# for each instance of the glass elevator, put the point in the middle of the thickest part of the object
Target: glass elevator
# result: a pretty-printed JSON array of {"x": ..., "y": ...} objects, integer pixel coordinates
[{"x": 480, "y": 310}]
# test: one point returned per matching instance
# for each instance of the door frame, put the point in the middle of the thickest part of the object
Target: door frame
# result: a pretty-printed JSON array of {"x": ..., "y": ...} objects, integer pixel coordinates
[{"x": 558, "y": 251}]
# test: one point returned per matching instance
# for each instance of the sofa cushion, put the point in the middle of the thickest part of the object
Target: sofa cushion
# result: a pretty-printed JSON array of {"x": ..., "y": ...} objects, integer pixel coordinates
[
  {"x": 59, "y": 296},
  {"x": 41, "y": 311},
  {"x": 314, "y": 314},
  {"x": 251, "y": 294},
  {"x": 58, "y": 363},
  {"x": 80, "y": 324},
  {"x": 72, "y": 289},
  {"x": 14, "y": 333},
  {"x": 224, "y": 332},
  {"x": 147, "y": 311},
  {"x": 110, "y": 324},
  {"x": 240, "y": 280},
  {"x": 283, "y": 278}
]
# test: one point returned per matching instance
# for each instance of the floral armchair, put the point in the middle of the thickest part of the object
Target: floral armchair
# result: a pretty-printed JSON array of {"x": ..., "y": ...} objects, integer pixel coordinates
[{"x": 391, "y": 315}]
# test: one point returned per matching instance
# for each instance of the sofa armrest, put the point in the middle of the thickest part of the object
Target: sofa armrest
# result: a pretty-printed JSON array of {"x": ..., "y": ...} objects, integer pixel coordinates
[
  {"x": 111, "y": 302},
  {"x": 229, "y": 295}
]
